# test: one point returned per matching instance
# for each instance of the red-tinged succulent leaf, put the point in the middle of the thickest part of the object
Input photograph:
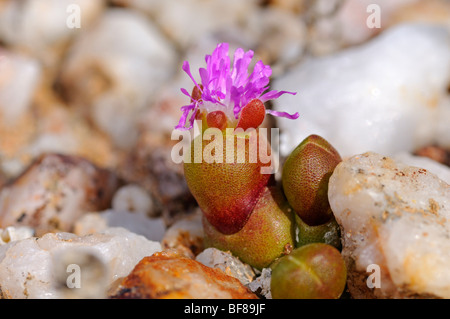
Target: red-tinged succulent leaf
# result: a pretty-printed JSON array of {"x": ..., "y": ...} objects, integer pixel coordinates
[
  {"x": 227, "y": 191},
  {"x": 217, "y": 119},
  {"x": 267, "y": 235},
  {"x": 305, "y": 177},
  {"x": 252, "y": 115}
]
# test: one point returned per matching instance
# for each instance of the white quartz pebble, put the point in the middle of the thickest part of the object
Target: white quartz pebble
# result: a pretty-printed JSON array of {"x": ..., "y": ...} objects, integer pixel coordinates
[
  {"x": 440, "y": 170},
  {"x": 152, "y": 228},
  {"x": 388, "y": 95},
  {"x": 133, "y": 198},
  {"x": 395, "y": 219},
  {"x": 261, "y": 284},
  {"x": 225, "y": 261},
  {"x": 27, "y": 267},
  {"x": 10, "y": 234},
  {"x": 37, "y": 25},
  {"x": 19, "y": 79},
  {"x": 185, "y": 234}
]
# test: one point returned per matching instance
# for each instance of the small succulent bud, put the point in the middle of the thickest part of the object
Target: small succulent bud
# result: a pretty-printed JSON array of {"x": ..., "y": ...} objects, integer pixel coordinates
[
  {"x": 252, "y": 115},
  {"x": 305, "y": 177},
  {"x": 267, "y": 235},
  {"x": 328, "y": 233},
  {"x": 314, "y": 271},
  {"x": 217, "y": 119}
]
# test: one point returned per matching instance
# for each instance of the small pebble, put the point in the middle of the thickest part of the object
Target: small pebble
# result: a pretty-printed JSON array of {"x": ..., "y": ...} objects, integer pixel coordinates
[
  {"x": 10, "y": 234},
  {"x": 225, "y": 261},
  {"x": 133, "y": 198},
  {"x": 261, "y": 285}
]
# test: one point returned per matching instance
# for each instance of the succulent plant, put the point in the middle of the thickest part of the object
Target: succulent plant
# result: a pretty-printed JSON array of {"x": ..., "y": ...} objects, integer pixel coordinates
[
  {"x": 305, "y": 177},
  {"x": 267, "y": 235},
  {"x": 313, "y": 271},
  {"x": 242, "y": 211}
]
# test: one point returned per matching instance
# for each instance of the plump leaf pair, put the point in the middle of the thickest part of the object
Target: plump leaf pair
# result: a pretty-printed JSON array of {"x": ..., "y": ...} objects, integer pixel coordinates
[{"x": 246, "y": 213}]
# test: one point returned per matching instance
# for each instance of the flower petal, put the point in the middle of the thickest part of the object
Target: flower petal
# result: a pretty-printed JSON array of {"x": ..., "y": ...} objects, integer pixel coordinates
[
  {"x": 231, "y": 87},
  {"x": 283, "y": 114},
  {"x": 271, "y": 95},
  {"x": 186, "y": 109},
  {"x": 186, "y": 68}
]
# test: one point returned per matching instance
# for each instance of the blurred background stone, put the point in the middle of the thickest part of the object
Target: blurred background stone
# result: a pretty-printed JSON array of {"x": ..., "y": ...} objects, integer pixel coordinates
[
  {"x": 54, "y": 192},
  {"x": 86, "y": 114},
  {"x": 388, "y": 95}
]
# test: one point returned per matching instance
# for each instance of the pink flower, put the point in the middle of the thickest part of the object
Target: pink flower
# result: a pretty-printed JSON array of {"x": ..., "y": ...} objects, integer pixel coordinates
[{"x": 228, "y": 89}]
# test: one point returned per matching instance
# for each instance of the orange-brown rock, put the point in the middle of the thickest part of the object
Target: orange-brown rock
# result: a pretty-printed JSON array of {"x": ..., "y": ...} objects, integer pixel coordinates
[
  {"x": 168, "y": 275},
  {"x": 436, "y": 153}
]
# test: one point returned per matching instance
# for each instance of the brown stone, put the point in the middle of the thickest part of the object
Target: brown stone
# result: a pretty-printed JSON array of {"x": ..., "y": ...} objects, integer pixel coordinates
[
  {"x": 169, "y": 275},
  {"x": 54, "y": 191}
]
